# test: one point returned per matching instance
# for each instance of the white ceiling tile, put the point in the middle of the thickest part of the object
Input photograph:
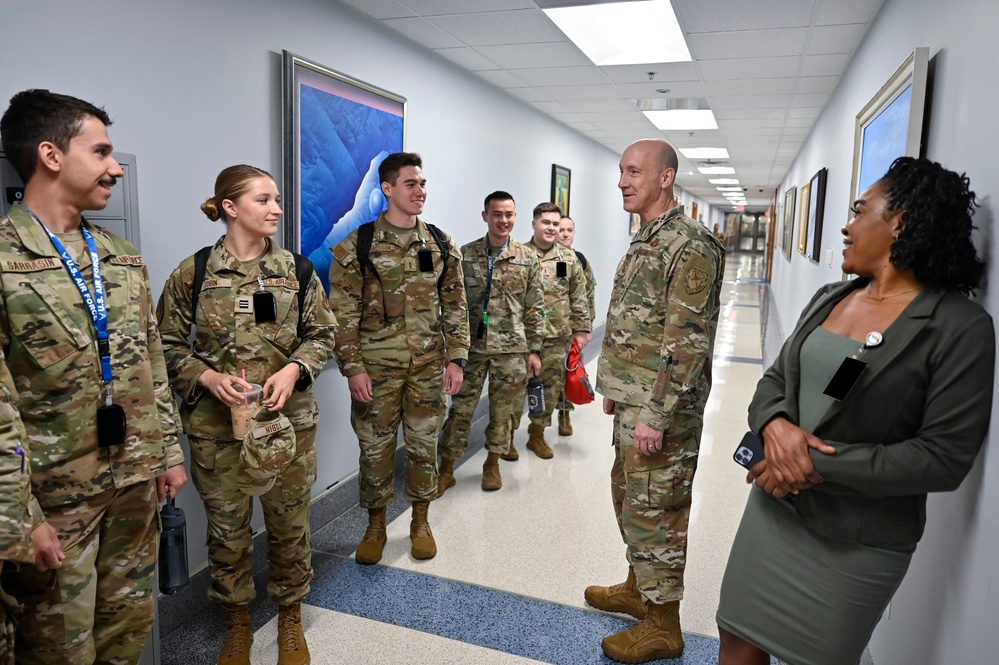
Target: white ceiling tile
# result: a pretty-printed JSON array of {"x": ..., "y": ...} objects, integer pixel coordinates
[
  {"x": 611, "y": 117},
  {"x": 804, "y": 113},
  {"x": 676, "y": 89},
  {"x": 380, "y": 9},
  {"x": 783, "y": 86},
  {"x": 582, "y": 92},
  {"x": 729, "y": 68},
  {"x": 597, "y": 105},
  {"x": 719, "y": 15},
  {"x": 436, "y": 7},
  {"x": 524, "y": 56},
  {"x": 750, "y": 114},
  {"x": 468, "y": 58},
  {"x": 824, "y": 65},
  {"x": 750, "y": 101},
  {"x": 800, "y": 122},
  {"x": 522, "y": 26},
  {"x": 832, "y": 12},
  {"x": 747, "y": 44},
  {"x": 807, "y": 84},
  {"x": 550, "y": 108},
  {"x": 422, "y": 32},
  {"x": 750, "y": 123},
  {"x": 663, "y": 72},
  {"x": 814, "y": 99},
  {"x": 562, "y": 75},
  {"x": 529, "y": 94},
  {"x": 829, "y": 39},
  {"x": 502, "y": 78}
]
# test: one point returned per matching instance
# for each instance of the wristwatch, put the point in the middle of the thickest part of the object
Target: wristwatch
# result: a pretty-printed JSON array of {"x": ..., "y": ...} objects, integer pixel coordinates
[{"x": 460, "y": 362}]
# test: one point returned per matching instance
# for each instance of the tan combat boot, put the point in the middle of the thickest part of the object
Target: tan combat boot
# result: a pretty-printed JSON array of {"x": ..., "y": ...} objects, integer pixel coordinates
[
  {"x": 373, "y": 542},
  {"x": 536, "y": 442},
  {"x": 564, "y": 424},
  {"x": 491, "y": 479},
  {"x": 656, "y": 636},
  {"x": 291, "y": 638},
  {"x": 623, "y": 598},
  {"x": 424, "y": 546},
  {"x": 238, "y": 636},
  {"x": 445, "y": 476},
  {"x": 511, "y": 455}
]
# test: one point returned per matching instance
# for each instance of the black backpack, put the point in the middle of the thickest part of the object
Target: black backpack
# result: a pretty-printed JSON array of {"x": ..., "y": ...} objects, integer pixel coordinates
[
  {"x": 303, "y": 272},
  {"x": 366, "y": 233}
]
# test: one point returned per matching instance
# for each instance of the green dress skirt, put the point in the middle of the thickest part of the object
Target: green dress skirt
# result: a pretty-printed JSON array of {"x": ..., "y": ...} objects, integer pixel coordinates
[{"x": 798, "y": 595}]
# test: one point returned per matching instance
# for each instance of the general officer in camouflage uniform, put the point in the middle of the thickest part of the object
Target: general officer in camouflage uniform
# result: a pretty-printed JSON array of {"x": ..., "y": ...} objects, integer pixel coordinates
[
  {"x": 282, "y": 348},
  {"x": 655, "y": 373},
  {"x": 506, "y": 319},
  {"x": 567, "y": 316},
  {"x": 393, "y": 305},
  {"x": 566, "y": 236},
  {"x": 89, "y": 595}
]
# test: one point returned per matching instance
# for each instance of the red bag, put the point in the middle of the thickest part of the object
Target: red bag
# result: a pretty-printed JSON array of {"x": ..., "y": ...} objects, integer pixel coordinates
[{"x": 577, "y": 385}]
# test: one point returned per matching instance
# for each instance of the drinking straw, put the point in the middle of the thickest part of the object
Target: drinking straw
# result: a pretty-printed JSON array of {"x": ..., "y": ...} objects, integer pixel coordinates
[{"x": 245, "y": 401}]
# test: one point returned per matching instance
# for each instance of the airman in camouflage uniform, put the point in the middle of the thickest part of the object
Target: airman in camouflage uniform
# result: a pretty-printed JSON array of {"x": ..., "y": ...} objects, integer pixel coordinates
[
  {"x": 567, "y": 316},
  {"x": 655, "y": 374},
  {"x": 502, "y": 337},
  {"x": 566, "y": 236},
  {"x": 287, "y": 353},
  {"x": 403, "y": 344},
  {"x": 89, "y": 594}
]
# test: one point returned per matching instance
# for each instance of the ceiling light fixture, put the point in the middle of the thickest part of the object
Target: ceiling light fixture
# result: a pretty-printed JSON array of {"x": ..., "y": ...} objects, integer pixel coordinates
[
  {"x": 724, "y": 181},
  {"x": 729, "y": 189},
  {"x": 704, "y": 153},
  {"x": 716, "y": 170},
  {"x": 623, "y": 33}
]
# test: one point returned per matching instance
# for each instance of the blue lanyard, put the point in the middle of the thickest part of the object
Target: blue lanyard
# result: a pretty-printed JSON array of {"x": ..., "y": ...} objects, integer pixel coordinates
[{"x": 95, "y": 303}]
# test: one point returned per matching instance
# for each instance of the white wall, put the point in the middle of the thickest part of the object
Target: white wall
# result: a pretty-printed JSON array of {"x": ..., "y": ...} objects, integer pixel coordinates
[
  {"x": 945, "y": 612},
  {"x": 194, "y": 86}
]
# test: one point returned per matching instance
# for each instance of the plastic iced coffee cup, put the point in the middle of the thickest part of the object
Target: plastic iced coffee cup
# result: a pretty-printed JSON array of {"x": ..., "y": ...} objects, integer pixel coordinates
[{"x": 242, "y": 413}]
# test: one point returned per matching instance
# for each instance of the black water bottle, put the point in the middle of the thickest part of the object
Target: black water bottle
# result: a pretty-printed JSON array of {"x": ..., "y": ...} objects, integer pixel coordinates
[
  {"x": 535, "y": 396},
  {"x": 173, "y": 548}
]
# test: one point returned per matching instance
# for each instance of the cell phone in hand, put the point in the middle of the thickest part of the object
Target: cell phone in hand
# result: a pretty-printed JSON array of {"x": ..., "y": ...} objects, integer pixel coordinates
[{"x": 749, "y": 453}]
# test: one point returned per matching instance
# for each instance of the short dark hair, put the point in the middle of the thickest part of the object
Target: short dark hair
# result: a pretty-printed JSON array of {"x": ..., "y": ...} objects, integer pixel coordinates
[
  {"x": 937, "y": 207},
  {"x": 388, "y": 170},
  {"x": 498, "y": 195},
  {"x": 36, "y": 116},
  {"x": 547, "y": 206}
]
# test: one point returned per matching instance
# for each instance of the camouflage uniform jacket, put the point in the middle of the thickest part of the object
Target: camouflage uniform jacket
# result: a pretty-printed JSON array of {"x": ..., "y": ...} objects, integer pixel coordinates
[
  {"x": 228, "y": 340},
  {"x": 516, "y": 301},
  {"x": 397, "y": 318},
  {"x": 566, "y": 310},
  {"x": 662, "y": 320},
  {"x": 51, "y": 382},
  {"x": 591, "y": 286}
]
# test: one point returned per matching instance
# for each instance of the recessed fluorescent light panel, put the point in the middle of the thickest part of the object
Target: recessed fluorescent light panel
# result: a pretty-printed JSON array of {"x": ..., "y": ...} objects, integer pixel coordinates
[
  {"x": 624, "y": 33},
  {"x": 724, "y": 181},
  {"x": 716, "y": 170},
  {"x": 729, "y": 189},
  {"x": 682, "y": 119},
  {"x": 704, "y": 153}
]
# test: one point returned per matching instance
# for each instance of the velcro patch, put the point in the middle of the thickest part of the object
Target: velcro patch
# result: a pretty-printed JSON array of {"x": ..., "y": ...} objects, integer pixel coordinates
[
  {"x": 127, "y": 260},
  {"x": 342, "y": 254},
  {"x": 223, "y": 283},
  {"x": 693, "y": 285},
  {"x": 282, "y": 281},
  {"x": 31, "y": 266}
]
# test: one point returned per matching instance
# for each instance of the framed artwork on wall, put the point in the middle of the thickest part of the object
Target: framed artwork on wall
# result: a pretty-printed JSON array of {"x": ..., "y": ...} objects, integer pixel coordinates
[
  {"x": 816, "y": 206},
  {"x": 336, "y": 130},
  {"x": 789, "y": 198},
  {"x": 561, "y": 180},
  {"x": 891, "y": 124},
  {"x": 803, "y": 220}
]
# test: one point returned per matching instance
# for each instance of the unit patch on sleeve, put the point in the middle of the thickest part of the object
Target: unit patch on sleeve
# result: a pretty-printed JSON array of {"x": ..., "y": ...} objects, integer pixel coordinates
[{"x": 693, "y": 284}]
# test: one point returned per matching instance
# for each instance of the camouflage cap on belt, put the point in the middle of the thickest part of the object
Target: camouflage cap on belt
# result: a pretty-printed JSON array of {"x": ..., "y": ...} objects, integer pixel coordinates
[{"x": 268, "y": 448}]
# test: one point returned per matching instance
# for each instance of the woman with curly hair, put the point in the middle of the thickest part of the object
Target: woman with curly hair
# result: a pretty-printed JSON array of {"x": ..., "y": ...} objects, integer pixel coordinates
[{"x": 882, "y": 394}]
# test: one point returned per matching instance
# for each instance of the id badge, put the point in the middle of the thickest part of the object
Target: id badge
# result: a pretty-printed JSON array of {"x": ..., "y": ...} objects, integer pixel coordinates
[
  {"x": 561, "y": 269},
  {"x": 845, "y": 379},
  {"x": 426, "y": 260},
  {"x": 110, "y": 425},
  {"x": 264, "y": 307}
]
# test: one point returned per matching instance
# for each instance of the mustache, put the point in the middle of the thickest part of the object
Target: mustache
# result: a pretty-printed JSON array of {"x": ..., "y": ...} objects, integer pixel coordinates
[{"x": 110, "y": 182}]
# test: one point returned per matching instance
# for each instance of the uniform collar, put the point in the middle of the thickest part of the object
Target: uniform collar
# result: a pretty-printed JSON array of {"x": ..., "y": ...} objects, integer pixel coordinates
[
  {"x": 650, "y": 229},
  {"x": 556, "y": 248},
  {"x": 221, "y": 259},
  {"x": 36, "y": 240}
]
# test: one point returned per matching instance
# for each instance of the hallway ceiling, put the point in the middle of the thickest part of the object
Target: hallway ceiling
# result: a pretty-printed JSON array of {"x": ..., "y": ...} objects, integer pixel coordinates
[{"x": 766, "y": 68}]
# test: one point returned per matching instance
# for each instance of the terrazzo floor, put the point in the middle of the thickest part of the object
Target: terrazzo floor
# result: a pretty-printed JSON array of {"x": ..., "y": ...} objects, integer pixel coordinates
[{"x": 507, "y": 583}]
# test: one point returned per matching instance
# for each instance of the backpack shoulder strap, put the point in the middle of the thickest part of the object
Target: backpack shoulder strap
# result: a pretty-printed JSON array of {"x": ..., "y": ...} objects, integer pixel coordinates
[
  {"x": 200, "y": 268},
  {"x": 445, "y": 248},
  {"x": 582, "y": 259},
  {"x": 365, "y": 234},
  {"x": 303, "y": 273}
]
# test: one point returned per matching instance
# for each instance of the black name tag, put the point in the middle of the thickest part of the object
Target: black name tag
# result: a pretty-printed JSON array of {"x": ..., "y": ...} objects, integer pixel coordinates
[
  {"x": 426, "y": 260},
  {"x": 845, "y": 379},
  {"x": 264, "y": 307},
  {"x": 110, "y": 426},
  {"x": 561, "y": 269}
]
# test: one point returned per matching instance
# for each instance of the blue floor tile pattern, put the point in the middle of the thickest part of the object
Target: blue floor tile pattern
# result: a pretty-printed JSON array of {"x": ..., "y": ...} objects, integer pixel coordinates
[{"x": 506, "y": 622}]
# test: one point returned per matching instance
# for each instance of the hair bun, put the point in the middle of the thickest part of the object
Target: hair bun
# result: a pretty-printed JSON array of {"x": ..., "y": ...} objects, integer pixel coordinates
[{"x": 210, "y": 209}]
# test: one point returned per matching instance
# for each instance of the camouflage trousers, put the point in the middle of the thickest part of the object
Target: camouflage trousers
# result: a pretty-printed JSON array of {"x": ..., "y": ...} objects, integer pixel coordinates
[
  {"x": 651, "y": 496},
  {"x": 8, "y": 628},
  {"x": 214, "y": 467},
  {"x": 507, "y": 374},
  {"x": 98, "y": 606},
  {"x": 414, "y": 397},
  {"x": 553, "y": 352}
]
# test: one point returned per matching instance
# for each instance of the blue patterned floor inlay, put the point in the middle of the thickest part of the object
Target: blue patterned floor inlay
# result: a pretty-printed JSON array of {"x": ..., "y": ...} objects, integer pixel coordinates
[{"x": 493, "y": 619}]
